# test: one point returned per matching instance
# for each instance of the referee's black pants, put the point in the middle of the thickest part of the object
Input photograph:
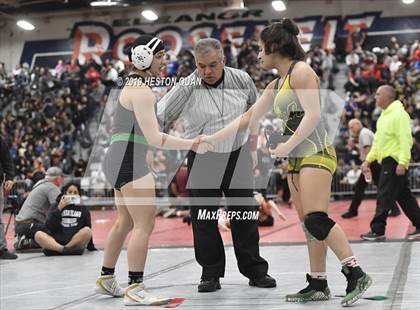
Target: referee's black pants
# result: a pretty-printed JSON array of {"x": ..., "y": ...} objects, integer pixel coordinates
[
  {"x": 210, "y": 176},
  {"x": 393, "y": 188},
  {"x": 360, "y": 187}
]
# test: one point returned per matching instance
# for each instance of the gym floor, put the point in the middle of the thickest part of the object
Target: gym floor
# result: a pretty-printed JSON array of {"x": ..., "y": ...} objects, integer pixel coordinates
[{"x": 34, "y": 281}]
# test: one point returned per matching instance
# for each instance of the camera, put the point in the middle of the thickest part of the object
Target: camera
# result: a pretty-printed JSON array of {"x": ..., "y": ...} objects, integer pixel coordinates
[
  {"x": 73, "y": 199},
  {"x": 13, "y": 203}
]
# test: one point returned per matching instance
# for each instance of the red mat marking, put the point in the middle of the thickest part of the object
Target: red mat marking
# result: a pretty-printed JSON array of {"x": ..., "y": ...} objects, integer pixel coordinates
[
  {"x": 172, "y": 232},
  {"x": 175, "y": 302}
]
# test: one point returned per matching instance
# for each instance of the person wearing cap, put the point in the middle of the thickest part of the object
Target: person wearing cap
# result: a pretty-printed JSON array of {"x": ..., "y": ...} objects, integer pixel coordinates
[
  {"x": 7, "y": 172},
  {"x": 134, "y": 130},
  {"x": 33, "y": 214}
]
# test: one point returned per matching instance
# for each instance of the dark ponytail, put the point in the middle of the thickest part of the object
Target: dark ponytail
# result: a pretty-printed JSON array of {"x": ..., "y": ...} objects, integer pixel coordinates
[{"x": 281, "y": 37}]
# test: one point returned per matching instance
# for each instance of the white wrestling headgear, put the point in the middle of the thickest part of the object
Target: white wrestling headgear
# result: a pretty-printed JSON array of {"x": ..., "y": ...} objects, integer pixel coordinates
[{"x": 142, "y": 55}]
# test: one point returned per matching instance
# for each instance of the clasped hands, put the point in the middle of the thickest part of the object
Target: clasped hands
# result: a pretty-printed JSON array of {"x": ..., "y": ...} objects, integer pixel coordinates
[{"x": 203, "y": 144}]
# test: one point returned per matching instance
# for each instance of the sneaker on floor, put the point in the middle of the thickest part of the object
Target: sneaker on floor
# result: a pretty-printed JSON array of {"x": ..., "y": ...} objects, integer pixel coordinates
[
  {"x": 317, "y": 290},
  {"x": 357, "y": 283},
  {"x": 371, "y": 236},
  {"x": 136, "y": 295},
  {"x": 108, "y": 285},
  {"x": 414, "y": 235},
  {"x": 5, "y": 254},
  {"x": 349, "y": 214}
]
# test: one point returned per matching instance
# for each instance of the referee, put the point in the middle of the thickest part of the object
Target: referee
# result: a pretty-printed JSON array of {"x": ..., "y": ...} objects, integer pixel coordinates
[
  {"x": 223, "y": 94},
  {"x": 392, "y": 149}
]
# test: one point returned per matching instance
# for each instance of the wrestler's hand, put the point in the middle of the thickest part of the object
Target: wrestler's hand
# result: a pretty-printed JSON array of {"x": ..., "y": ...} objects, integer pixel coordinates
[
  {"x": 208, "y": 139},
  {"x": 149, "y": 161},
  {"x": 280, "y": 151},
  {"x": 201, "y": 146}
]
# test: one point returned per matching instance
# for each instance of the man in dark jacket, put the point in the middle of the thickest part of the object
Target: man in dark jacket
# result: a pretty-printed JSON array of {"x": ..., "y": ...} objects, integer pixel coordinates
[{"x": 7, "y": 172}]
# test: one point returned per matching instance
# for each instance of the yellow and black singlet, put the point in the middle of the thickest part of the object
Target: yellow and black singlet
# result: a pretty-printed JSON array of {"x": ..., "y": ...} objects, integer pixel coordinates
[{"x": 315, "y": 150}]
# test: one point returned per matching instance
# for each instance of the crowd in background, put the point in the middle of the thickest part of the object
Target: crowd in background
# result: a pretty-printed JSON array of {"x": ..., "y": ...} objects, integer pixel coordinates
[
  {"x": 46, "y": 113},
  {"x": 397, "y": 65}
]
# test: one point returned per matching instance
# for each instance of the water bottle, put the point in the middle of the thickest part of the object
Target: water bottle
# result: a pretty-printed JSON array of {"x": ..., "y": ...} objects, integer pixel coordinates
[{"x": 368, "y": 176}]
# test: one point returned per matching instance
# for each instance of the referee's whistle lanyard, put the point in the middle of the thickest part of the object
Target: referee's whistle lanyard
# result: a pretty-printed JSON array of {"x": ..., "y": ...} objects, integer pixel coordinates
[{"x": 220, "y": 110}]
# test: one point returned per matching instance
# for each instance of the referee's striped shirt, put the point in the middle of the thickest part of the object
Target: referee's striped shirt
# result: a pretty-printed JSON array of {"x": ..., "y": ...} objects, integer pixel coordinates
[{"x": 205, "y": 110}]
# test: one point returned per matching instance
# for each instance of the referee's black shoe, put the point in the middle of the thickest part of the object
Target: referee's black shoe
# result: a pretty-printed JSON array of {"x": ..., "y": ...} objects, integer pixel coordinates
[
  {"x": 208, "y": 285},
  {"x": 263, "y": 282}
]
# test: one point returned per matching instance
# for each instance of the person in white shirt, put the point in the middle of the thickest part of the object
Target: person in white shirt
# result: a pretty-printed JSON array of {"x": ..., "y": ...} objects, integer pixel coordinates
[{"x": 365, "y": 138}]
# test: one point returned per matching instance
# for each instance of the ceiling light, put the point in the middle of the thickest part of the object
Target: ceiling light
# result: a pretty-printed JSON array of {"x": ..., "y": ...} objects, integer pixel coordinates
[
  {"x": 25, "y": 25},
  {"x": 149, "y": 15},
  {"x": 235, "y": 6},
  {"x": 278, "y": 5},
  {"x": 408, "y": 1},
  {"x": 104, "y": 3}
]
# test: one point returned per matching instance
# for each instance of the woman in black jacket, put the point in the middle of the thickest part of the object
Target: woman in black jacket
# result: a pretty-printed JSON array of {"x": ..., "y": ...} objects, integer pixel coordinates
[{"x": 68, "y": 226}]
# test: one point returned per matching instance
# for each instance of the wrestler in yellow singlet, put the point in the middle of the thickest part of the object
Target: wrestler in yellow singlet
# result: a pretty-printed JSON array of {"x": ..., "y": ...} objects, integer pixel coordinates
[{"x": 315, "y": 151}]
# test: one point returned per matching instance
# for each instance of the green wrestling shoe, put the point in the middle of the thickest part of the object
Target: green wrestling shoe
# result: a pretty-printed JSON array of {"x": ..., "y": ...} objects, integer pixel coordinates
[
  {"x": 317, "y": 290},
  {"x": 357, "y": 283}
]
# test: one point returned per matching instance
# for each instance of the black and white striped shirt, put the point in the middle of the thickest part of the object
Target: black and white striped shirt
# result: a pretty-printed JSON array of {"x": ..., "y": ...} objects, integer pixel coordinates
[{"x": 205, "y": 110}]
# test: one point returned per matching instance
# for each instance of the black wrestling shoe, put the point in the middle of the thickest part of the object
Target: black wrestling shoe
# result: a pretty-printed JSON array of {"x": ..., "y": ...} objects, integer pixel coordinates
[
  {"x": 263, "y": 282},
  {"x": 209, "y": 285},
  {"x": 349, "y": 214},
  {"x": 357, "y": 283},
  {"x": 317, "y": 290}
]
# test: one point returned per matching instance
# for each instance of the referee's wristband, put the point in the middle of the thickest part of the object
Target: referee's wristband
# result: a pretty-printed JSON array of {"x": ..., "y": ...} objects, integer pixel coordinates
[{"x": 253, "y": 142}]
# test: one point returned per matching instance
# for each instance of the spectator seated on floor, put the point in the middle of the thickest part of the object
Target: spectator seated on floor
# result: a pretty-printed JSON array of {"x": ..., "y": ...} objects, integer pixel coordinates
[
  {"x": 265, "y": 217},
  {"x": 68, "y": 227},
  {"x": 33, "y": 214}
]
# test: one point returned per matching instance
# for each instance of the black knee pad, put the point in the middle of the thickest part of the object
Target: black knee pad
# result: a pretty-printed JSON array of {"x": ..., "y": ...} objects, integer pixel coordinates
[{"x": 319, "y": 224}]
